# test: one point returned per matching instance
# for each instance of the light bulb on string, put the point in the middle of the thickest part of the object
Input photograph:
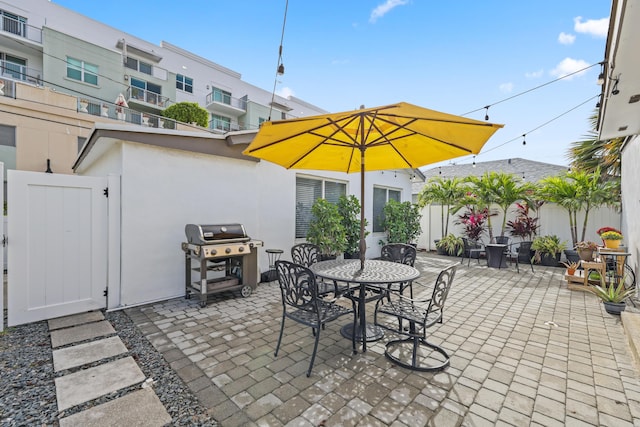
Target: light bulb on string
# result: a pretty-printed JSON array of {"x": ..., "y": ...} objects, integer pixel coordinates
[
  {"x": 486, "y": 113},
  {"x": 474, "y": 162},
  {"x": 524, "y": 142}
]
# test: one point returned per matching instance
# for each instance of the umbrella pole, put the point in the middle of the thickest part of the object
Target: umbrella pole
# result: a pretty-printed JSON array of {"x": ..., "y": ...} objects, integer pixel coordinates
[{"x": 363, "y": 243}]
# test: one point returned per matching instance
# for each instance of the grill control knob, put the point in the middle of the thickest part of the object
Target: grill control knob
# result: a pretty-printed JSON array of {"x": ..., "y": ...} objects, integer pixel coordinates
[
  {"x": 213, "y": 252},
  {"x": 241, "y": 249},
  {"x": 227, "y": 250}
]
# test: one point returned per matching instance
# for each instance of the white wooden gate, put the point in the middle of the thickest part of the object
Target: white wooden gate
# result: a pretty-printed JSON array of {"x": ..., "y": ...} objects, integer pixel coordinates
[{"x": 57, "y": 245}]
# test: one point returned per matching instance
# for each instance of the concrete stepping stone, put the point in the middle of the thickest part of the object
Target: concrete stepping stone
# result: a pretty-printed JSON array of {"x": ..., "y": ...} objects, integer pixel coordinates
[
  {"x": 79, "y": 333},
  {"x": 89, "y": 384},
  {"x": 140, "y": 408},
  {"x": 75, "y": 319},
  {"x": 82, "y": 354}
]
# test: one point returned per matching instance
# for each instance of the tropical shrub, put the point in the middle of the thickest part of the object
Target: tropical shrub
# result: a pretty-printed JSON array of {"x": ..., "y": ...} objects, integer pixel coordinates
[
  {"x": 473, "y": 221},
  {"x": 188, "y": 112},
  {"x": 402, "y": 222},
  {"x": 523, "y": 226}
]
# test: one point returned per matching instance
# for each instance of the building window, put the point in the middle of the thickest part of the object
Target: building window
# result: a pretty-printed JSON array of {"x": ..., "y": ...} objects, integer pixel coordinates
[
  {"x": 8, "y": 148},
  {"x": 138, "y": 65},
  {"x": 221, "y": 96},
  {"x": 13, "y": 66},
  {"x": 82, "y": 71},
  {"x": 220, "y": 122},
  {"x": 14, "y": 24},
  {"x": 147, "y": 92},
  {"x": 380, "y": 198},
  {"x": 184, "y": 83},
  {"x": 81, "y": 141},
  {"x": 7, "y": 136},
  {"x": 307, "y": 191}
]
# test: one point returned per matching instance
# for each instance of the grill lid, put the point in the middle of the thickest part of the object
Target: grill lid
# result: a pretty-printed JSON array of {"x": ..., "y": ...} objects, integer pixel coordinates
[{"x": 217, "y": 233}]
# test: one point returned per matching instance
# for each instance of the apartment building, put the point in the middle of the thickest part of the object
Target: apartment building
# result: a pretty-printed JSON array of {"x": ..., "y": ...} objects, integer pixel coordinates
[{"x": 62, "y": 71}]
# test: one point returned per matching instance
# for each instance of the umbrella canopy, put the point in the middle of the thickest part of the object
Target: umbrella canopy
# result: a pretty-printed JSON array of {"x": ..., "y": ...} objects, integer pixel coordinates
[{"x": 394, "y": 136}]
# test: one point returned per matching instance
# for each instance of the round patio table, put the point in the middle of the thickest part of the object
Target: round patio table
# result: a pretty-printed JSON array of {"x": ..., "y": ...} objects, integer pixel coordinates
[{"x": 375, "y": 273}]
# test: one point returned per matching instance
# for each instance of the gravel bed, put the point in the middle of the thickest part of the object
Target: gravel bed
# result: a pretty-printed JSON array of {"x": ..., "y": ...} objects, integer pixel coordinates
[{"x": 27, "y": 389}]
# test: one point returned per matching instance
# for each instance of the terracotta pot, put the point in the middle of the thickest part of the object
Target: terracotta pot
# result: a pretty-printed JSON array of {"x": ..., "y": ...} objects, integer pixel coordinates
[
  {"x": 571, "y": 271},
  {"x": 612, "y": 244},
  {"x": 585, "y": 254}
]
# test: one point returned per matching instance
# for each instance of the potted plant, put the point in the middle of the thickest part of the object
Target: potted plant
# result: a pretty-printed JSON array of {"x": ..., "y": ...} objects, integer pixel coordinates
[
  {"x": 611, "y": 239},
  {"x": 451, "y": 245},
  {"x": 586, "y": 249},
  {"x": 548, "y": 249},
  {"x": 571, "y": 267},
  {"x": 612, "y": 296},
  {"x": 402, "y": 222},
  {"x": 326, "y": 229},
  {"x": 349, "y": 209}
]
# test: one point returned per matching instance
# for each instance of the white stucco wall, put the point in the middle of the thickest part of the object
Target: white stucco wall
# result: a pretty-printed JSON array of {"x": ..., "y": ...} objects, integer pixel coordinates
[
  {"x": 162, "y": 190},
  {"x": 631, "y": 200},
  {"x": 553, "y": 220}
]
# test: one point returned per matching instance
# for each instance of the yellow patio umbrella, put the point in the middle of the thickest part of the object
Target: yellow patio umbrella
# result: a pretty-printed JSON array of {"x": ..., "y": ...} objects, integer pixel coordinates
[{"x": 396, "y": 136}]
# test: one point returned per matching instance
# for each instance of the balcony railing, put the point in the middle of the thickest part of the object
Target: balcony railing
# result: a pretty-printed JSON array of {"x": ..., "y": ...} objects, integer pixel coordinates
[
  {"x": 142, "y": 95},
  {"x": 19, "y": 72},
  {"x": 7, "y": 88},
  {"x": 21, "y": 29},
  {"x": 116, "y": 112},
  {"x": 221, "y": 98}
]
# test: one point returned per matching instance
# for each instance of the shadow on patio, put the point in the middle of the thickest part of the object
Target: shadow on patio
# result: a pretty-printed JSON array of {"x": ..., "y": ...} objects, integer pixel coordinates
[{"x": 524, "y": 350}]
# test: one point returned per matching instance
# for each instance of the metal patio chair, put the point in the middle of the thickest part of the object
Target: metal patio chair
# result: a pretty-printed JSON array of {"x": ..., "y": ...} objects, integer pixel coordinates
[
  {"x": 307, "y": 254},
  {"x": 302, "y": 303},
  {"x": 421, "y": 315},
  {"x": 471, "y": 249},
  {"x": 404, "y": 254}
]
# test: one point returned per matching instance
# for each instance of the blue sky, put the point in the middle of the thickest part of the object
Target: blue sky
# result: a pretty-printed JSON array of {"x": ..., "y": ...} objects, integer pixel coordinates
[{"x": 455, "y": 57}]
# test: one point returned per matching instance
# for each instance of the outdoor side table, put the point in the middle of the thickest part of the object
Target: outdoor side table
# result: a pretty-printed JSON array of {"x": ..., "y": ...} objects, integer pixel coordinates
[
  {"x": 274, "y": 255},
  {"x": 495, "y": 255}
]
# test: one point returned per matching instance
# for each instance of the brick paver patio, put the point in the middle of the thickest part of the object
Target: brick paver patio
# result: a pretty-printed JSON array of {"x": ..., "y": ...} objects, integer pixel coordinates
[{"x": 525, "y": 351}]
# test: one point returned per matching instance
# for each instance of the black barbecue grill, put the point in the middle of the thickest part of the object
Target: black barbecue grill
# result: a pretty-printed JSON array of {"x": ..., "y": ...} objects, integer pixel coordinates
[{"x": 224, "y": 255}]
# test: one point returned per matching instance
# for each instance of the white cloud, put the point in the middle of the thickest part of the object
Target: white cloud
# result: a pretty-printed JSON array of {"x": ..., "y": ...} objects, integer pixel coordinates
[
  {"x": 565, "y": 38},
  {"x": 534, "y": 74},
  {"x": 595, "y": 27},
  {"x": 568, "y": 66},
  {"x": 506, "y": 87},
  {"x": 285, "y": 92},
  {"x": 385, "y": 8}
]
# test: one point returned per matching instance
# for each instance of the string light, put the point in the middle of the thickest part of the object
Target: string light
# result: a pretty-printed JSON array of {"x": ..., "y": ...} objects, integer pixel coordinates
[
  {"x": 543, "y": 124},
  {"x": 280, "y": 67},
  {"x": 486, "y": 113},
  {"x": 474, "y": 161},
  {"x": 524, "y": 142}
]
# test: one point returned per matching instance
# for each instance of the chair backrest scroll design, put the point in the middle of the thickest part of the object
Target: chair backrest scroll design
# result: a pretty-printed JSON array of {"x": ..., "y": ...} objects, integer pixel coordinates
[
  {"x": 441, "y": 291},
  {"x": 305, "y": 254},
  {"x": 297, "y": 286},
  {"x": 399, "y": 252}
]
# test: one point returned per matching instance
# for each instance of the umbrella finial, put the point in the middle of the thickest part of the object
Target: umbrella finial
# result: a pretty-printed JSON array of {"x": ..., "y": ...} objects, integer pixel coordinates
[{"x": 362, "y": 106}]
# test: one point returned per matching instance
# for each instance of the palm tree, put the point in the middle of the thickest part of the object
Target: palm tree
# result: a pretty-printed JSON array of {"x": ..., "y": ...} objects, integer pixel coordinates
[
  {"x": 590, "y": 153},
  {"x": 502, "y": 189},
  {"x": 563, "y": 192},
  {"x": 594, "y": 192},
  {"x": 580, "y": 190},
  {"x": 445, "y": 191}
]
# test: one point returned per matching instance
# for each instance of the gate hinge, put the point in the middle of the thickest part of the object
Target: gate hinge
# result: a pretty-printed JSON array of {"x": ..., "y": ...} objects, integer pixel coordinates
[
  {"x": 106, "y": 192},
  {"x": 106, "y": 292}
]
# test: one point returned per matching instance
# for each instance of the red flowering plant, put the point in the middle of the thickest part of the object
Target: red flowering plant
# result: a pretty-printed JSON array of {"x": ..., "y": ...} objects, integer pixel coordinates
[
  {"x": 474, "y": 222},
  {"x": 523, "y": 226},
  {"x": 606, "y": 229}
]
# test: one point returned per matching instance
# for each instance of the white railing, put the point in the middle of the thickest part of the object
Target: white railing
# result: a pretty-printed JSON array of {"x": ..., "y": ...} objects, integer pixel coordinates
[
  {"x": 20, "y": 28},
  {"x": 19, "y": 72}
]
